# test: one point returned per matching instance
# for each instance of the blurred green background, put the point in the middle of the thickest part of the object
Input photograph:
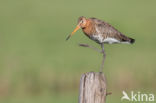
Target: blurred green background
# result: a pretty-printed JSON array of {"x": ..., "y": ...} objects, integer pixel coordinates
[{"x": 37, "y": 65}]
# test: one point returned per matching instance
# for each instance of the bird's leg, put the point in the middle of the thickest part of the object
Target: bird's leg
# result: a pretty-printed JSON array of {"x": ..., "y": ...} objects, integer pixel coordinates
[
  {"x": 104, "y": 56},
  {"x": 92, "y": 47}
]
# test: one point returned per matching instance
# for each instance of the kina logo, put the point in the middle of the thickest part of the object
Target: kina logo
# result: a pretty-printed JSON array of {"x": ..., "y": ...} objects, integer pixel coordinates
[{"x": 138, "y": 96}]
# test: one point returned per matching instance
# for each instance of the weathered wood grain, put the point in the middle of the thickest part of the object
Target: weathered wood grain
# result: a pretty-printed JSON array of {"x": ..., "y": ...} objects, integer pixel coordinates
[{"x": 92, "y": 88}]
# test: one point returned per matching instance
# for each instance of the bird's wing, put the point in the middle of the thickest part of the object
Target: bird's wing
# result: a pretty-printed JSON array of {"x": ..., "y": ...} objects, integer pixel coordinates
[{"x": 107, "y": 30}]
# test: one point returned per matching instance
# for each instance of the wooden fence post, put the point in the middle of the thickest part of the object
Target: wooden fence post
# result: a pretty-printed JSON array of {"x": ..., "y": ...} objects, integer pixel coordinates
[{"x": 92, "y": 88}]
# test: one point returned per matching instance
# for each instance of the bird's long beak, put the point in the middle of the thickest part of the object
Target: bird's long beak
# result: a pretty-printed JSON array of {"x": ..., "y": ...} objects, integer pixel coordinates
[{"x": 77, "y": 28}]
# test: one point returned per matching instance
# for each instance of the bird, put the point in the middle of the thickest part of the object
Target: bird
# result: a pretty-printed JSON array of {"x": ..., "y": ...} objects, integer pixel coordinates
[{"x": 101, "y": 32}]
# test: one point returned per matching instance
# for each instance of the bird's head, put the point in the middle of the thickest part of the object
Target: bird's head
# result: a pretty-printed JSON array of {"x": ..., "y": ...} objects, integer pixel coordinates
[{"x": 82, "y": 21}]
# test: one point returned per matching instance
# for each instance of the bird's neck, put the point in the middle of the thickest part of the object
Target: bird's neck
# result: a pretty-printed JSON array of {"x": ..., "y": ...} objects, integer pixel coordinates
[{"x": 89, "y": 28}]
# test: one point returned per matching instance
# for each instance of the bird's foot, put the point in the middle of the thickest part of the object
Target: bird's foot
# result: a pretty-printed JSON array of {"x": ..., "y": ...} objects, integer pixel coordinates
[{"x": 84, "y": 45}]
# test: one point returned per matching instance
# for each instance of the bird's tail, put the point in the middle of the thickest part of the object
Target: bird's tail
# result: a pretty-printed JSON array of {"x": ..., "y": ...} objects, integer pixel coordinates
[
  {"x": 131, "y": 40},
  {"x": 127, "y": 40}
]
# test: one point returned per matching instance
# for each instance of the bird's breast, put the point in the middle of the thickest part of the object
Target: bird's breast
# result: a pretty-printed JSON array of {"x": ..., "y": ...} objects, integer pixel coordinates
[
  {"x": 88, "y": 31},
  {"x": 91, "y": 32},
  {"x": 97, "y": 38}
]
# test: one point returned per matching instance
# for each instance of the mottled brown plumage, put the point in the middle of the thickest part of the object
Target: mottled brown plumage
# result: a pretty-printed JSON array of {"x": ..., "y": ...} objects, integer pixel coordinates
[
  {"x": 101, "y": 32},
  {"x": 98, "y": 27}
]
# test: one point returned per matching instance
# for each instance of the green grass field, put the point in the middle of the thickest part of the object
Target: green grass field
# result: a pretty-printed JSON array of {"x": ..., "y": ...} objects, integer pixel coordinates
[{"x": 37, "y": 65}]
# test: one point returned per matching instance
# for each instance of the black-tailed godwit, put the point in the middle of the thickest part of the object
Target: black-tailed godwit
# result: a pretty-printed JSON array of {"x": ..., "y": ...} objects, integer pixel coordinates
[{"x": 101, "y": 32}]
